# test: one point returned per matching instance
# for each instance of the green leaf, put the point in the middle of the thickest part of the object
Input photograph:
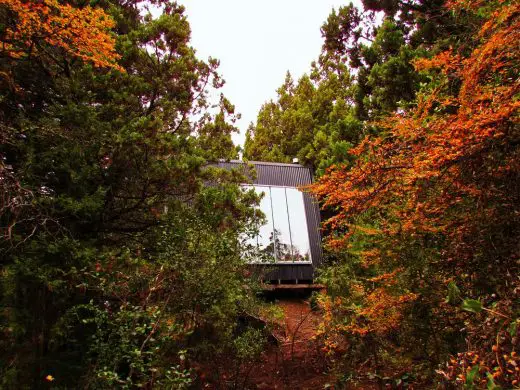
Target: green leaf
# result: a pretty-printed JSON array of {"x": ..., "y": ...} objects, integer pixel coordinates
[
  {"x": 472, "y": 375},
  {"x": 453, "y": 293},
  {"x": 472, "y": 305},
  {"x": 491, "y": 385},
  {"x": 513, "y": 328}
]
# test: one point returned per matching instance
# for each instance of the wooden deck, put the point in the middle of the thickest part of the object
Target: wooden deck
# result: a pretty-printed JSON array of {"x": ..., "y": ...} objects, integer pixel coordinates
[{"x": 306, "y": 286}]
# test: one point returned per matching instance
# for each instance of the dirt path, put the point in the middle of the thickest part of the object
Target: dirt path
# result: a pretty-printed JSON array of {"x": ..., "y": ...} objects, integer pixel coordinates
[{"x": 297, "y": 362}]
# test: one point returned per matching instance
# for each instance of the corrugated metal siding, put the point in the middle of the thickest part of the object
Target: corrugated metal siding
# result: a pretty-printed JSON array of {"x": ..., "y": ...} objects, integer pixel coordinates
[{"x": 288, "y": 175}]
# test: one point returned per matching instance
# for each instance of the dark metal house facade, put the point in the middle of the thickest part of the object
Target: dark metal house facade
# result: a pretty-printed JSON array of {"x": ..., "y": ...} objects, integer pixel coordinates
[{"x": 288, "y": 177}]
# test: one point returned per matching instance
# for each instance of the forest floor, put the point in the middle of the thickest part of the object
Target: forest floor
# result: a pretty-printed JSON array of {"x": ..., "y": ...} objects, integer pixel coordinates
[{"x": 296, "y": 362}]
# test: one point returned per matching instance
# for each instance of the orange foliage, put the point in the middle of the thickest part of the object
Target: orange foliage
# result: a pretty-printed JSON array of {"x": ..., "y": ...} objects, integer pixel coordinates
[
  {"x": 80, "y": 32},
  {"x": 446, "y": 170},
  {"x": 379, "y": 312},
  {"x": 447, "y": 61},
  {"x": 382, "y": 312},
  {"x": 418, "y": 171}
]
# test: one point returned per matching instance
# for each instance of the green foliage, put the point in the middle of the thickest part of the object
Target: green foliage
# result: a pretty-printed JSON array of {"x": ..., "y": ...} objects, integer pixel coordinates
[
  {"x": 491, "y": 385},
  {"x": 309, "y": 121},
  {"x": 471, "y": 377},
  {"x": 469, "y": 249},
  {"x": 249, "y": 345},
  {"x": 472, "y": 305},
  {"x": 365, "y": 85},
  {"x": 121, "y": 263},
  {"x": 453, "y": 293},
  {"x": 122, "y": 259},
  {"x": 364, "y": 73}
]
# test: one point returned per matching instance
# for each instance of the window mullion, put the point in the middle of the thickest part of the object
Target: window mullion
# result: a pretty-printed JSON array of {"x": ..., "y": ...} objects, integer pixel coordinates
[
  {"x": 289, "y": 223},
  {"x": 274, "y": 231}
]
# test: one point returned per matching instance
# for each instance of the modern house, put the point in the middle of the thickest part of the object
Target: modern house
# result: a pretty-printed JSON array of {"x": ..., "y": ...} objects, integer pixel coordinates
[{"x": 290, "y": 237}]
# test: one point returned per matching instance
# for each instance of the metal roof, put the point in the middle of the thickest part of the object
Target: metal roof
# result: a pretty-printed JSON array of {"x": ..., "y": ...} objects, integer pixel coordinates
[{"x": 274, "y": 174}]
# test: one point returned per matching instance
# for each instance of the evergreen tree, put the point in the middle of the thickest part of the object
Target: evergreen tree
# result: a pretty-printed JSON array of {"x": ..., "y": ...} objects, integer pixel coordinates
[
  {"x": 117, "y": 255},
  {"x": 364, "y": 73}
]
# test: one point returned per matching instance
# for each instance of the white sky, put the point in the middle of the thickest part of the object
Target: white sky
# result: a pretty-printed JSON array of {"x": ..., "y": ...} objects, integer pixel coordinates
[{"x": 257, "y": 41}]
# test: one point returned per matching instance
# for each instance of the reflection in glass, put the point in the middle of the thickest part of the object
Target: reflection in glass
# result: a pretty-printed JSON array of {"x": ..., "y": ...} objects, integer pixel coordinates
[
  {"x": 298, "y": 223},
  {"x": 265, "y": 231},
  {"x": 260, "y": 243},
  {"x": 282, "y": 232},
  {"x": 283, "y": 235}
]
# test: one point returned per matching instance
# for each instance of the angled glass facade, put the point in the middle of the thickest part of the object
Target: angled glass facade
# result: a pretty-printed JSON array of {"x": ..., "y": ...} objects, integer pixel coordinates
[{"x": 283, "y": 235}]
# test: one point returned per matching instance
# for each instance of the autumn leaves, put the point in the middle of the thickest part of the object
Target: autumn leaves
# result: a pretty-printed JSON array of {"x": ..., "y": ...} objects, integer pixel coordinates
[{"x": 42, "y": 27}]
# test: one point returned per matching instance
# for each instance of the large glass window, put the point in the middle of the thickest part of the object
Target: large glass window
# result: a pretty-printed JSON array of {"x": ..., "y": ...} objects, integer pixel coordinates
[
  {"x": 299, "y": 230},
  {"x": 283, "y": 235}
]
